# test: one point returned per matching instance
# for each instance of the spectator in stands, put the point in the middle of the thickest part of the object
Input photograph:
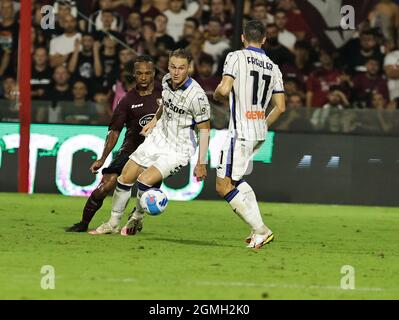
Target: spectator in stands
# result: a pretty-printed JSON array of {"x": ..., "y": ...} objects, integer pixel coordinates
[
  {"x": 10, "y": 89},
  {"x": 107, "y": 18},
  {"x": 385, "y": 16},
  {"x": 205, "y": 77},
  {"x": 275, "y": 50},
  {"x": 85, "y": 61},
  {"x": 149, "y": 37},
  {"x": 9, "y": 31},
  {"x": 63, "y": 10},
  {"x": 364, "y": 84},
  {"x": 41, "y": 74},
  {"x": 259, "y": 12},
  {"x": 356, "y": 52},
  {"x": 133, "y": 33},
  {"x": 296, "y": 23},
  {"x": 96, "y": 21},
  {"x": 215, "y": 43},
  {"x": 219, "y": 9},
  {"x": 80, "y": 111},
  {"x": 177, "y": 16},
  {"x": 295, "y": 118},
  {"x": 103, "y": 106},
  {"x": 9, "y": 111},
  {"x": 110, "y": 63},
  {"x": 164, "y": 42},
  {"x": 336, "y": 100},
  {"x": 190, "y": 28},
  {"x": 161, "y": 66},
  {"x": 295, "y": 100},
  {"x": 147, "y": 10},
  {"x": 161, "y": 5},
  {"x": 285, "y": 37},
  {"x": 391, "y": 66},
  {"x": 195, "y": 47},
  {"x": 5, "y": 58},
  {"x": 301, "y": 68},
  {"x": 322, "y": 80},
  {"x": 377, "y": 101},
  {"x": 60, "y": 89},
  {"x": 63, "y": 45}
]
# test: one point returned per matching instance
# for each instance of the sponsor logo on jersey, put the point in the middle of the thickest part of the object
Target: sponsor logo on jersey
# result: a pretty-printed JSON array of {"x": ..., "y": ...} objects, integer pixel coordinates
[
  {"x": 134, "y": 106},
  {"x": 146, "y": 119},
  {"x": 255, "y": 115},
  {"x": 168, "y": 104}
]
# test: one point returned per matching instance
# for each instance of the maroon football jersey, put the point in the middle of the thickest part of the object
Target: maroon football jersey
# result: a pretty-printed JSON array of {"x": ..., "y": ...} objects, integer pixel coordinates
[{"x": 135, "y": 112}]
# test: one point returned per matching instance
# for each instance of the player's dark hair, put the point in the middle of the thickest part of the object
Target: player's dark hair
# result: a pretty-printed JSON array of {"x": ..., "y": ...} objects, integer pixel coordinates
[
  {"x": 143, "y": 58},
  {"x": 181, "y": 53},
  {"x": 254, "y": 31}
]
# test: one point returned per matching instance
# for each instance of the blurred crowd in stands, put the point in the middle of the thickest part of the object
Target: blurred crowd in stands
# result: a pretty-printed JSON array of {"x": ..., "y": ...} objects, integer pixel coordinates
[{"x": 78, "y": 66}]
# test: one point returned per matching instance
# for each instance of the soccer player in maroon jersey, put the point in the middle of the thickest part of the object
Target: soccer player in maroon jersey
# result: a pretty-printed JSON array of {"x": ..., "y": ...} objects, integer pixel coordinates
[{"x": 135, "y": 110}]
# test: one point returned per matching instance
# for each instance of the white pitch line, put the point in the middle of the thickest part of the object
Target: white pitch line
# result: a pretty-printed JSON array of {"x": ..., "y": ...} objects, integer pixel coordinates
[{"x": 284, "y": 286}]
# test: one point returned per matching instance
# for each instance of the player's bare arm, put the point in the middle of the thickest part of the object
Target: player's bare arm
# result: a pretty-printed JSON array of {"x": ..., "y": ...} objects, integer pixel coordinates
[
  {"x": 223, "y": 89},
  {"x": 110, "y": 142},
  {"x": 278, "y": 104},
  {"x": 200, "y": 169}
]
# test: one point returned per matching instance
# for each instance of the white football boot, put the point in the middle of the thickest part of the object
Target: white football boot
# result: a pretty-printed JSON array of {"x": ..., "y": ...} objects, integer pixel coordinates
[
  {"x": 259, "y": 240},
  {"x": 132, "y": 226},
  {"x": 105, "y": 228}
]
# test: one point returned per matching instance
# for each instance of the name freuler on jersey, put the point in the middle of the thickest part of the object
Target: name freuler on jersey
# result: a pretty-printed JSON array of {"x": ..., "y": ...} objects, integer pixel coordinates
[{"x": 260, "y": 63}]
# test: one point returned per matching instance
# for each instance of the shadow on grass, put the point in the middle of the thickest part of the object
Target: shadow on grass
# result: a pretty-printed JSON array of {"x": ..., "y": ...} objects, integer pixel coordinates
[{"x": 192, "y": 242}]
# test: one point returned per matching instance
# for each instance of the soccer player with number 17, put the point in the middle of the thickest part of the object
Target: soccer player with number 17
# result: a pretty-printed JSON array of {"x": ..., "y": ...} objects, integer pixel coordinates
[{"x": 247, "y": 69}]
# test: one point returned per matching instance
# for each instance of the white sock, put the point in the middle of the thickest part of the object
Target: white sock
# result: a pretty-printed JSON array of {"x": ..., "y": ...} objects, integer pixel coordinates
[
  {"x": 120, "y": 200},
  {"x": 242, "y": 203},
  {"x": 251, "y": 201}
]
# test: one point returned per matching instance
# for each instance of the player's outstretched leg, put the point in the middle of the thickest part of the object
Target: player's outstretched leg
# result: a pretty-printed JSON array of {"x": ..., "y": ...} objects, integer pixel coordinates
[
  {"x": 242, "y": 200},
  {"x": 135, "y": 220},
  {"x": 150, "y": 178},
  {"x": 94, "y": 202},
  {"x": 120, "y": 198}
]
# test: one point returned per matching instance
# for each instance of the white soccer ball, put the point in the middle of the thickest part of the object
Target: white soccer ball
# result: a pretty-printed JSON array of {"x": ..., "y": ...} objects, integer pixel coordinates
[{"x": 154, "y": 201}]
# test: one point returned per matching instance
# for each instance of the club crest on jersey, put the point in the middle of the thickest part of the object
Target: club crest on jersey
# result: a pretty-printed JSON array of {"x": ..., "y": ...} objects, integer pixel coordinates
[{"x": 146, "y": 119}]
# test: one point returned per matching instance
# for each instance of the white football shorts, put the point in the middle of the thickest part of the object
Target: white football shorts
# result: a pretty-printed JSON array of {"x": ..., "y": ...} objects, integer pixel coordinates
[
  {"x": 160, "y": 155},
  {"x": 236, "y": 157}
]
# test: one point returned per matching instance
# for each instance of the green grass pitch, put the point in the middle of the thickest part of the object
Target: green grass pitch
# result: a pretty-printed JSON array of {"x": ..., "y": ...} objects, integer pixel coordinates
[{"x": 195, "y": 250}]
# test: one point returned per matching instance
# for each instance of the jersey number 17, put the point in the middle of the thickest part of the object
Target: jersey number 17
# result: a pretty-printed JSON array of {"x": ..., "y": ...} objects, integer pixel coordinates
[{"x": 267, "y": 79}]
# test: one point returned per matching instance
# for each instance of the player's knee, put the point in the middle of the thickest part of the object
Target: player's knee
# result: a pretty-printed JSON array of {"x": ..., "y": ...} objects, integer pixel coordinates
[
  {"x": 125, "y": 179},
  {"x": 144, "y": 179}
]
